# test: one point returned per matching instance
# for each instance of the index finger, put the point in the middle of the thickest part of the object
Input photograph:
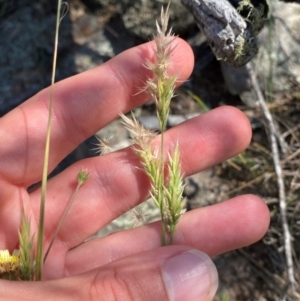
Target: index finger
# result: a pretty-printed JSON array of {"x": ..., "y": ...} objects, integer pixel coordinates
[{"x": 82, "y": 105}]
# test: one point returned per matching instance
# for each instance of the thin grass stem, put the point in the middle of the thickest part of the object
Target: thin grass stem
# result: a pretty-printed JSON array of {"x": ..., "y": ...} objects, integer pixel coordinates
[
  {"x": 62, "y": 219},
  {"x": 40, "y": 238}
]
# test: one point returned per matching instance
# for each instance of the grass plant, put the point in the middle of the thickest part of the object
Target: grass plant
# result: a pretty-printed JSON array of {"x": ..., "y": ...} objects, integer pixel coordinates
[{"x": 163, "y": 171}]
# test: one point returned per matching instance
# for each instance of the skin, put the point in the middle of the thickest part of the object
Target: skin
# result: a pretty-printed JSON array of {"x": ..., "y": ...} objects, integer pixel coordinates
[{"x": 123, "y": 266}]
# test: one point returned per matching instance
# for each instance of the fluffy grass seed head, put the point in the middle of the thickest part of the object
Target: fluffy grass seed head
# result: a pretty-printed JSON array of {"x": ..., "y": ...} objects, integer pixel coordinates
[
  {"x": 104, "y": 145},
  {"x": 142, "y": 137},
  {"x": 82, "y": 176},
  {"x": 138, "y": 216},
  {"x": 175, "y": 204},
  {"x": 150, "y": 158},
  {"x": 27, "y": 268},
  {"x": 161, "y": 85}
]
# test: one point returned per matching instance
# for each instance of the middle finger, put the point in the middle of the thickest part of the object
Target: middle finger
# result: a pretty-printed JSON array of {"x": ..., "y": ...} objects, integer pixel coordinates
[{"x": 116, "y": 185}]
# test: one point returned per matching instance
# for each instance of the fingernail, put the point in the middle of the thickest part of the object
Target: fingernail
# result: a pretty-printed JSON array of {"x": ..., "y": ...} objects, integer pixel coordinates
[{"x": 190, "y": 276}]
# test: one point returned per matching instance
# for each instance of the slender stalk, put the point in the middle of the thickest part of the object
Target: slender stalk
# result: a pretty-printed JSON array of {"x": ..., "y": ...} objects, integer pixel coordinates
[
  {"x": 161, "y": 188},
  {"x": 82, "y": 178},
  {"x": 40, "y": 239},
  {"x": 61, "y": 221}
]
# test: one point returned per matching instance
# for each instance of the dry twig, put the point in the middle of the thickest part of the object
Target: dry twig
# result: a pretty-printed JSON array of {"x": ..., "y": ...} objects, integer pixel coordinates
[{"x": 279, "y": 173}]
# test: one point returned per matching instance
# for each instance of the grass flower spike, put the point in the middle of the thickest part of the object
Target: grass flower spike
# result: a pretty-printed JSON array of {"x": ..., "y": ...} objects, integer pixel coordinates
[
  {"x": 20, "y": 264},
  {"x": 161, "y": 85},
  {"x": 27, "y": 264},
  {"x": 175, "y": 203},
  {"x": 166, "y": 193}
]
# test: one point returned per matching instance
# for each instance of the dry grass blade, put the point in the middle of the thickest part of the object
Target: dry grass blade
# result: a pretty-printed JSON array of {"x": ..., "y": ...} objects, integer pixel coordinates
[{"x": 40, "y": 239}]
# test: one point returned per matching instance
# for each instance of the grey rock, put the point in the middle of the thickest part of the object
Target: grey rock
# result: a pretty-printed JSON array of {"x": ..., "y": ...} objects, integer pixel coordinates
[
  {"x": 238, "y": 82},
  {"x": 205, "y": 188},
  {"x": 26, "y": 48},
  {"x": 174, "y": 120},
  {"x": 142, "y": 214},
  {"x": 151, "y": 122},
  {"x": 279, "y": 58},
  {"x": 284, "y": 50},
  {"x": 116, "y": 136},
  {"x": 232, "y": 76},
  {"x": 227, "y": 32},
  {"x": 96, "y": 3},
  {"x": 139, "y": 15}
]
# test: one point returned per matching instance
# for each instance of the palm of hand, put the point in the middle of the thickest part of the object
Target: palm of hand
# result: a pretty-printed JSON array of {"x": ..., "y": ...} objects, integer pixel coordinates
[{"x": 83, "y": 104}]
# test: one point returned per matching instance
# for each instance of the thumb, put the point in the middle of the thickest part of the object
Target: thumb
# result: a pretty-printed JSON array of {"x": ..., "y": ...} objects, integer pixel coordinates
[
  {"x": 174, "y": 273},
  {"x": 189, "y": 275}
]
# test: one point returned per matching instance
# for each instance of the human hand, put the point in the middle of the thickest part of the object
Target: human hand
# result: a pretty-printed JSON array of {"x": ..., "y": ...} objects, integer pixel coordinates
[{"x": 128, "y": 265}]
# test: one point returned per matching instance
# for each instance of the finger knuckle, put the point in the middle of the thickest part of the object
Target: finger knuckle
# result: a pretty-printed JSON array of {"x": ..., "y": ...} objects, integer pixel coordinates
[{"x": 111, "y": 286}]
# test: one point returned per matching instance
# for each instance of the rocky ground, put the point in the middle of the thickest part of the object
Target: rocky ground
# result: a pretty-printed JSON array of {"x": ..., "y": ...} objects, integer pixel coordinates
[{"x": 96, "y": 30}]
